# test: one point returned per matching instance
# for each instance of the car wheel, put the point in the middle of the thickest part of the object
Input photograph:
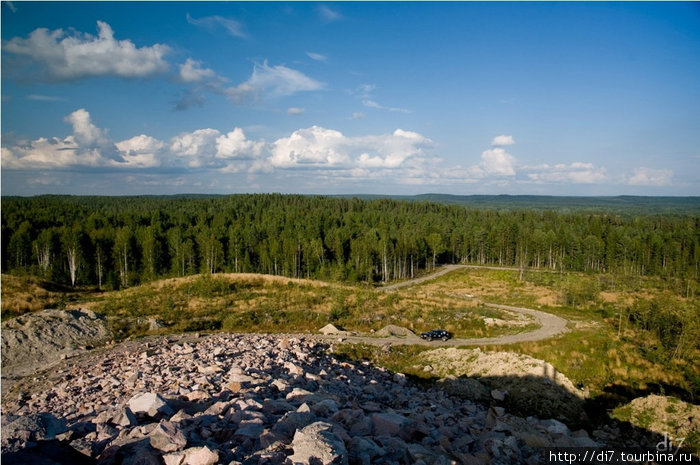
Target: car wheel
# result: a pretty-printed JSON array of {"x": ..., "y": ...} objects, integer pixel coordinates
[
  {"x": 429, "y": 339},
  {"x": 445, "y": 338}
]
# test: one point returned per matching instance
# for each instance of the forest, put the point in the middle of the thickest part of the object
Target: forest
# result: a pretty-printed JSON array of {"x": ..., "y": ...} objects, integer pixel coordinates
[{"x": 118, "y": 242}]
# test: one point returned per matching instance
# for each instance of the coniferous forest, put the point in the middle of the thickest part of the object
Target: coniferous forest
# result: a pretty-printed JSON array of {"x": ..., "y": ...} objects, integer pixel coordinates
[{"x": 118, "y": 242}]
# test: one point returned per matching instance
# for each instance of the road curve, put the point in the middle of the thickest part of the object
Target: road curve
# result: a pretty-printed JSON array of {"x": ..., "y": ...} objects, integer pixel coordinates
[{"x": 550, "y": 325}]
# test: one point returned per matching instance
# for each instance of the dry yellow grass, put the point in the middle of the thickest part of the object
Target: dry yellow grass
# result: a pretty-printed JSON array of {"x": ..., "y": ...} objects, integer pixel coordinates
[{"x": 24, "y": 294}]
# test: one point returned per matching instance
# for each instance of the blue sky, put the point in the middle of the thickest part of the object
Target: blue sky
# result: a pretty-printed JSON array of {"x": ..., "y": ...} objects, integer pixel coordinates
[{"x": 326, "y": 98}]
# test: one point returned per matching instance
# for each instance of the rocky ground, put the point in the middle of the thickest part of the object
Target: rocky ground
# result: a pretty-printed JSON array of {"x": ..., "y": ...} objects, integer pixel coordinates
[
  {"x": 257, "y": 399},
  {"x": 533, "y": 386},
  {"x": 36, "y": 340}
]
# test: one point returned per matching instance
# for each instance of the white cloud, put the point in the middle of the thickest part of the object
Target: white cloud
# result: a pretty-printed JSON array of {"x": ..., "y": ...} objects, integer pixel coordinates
[
  {"x": 73, "y": 55},
  {"x": 49, "y": 153},
  {"x": 310, "y": 147},
  {"x": 498, "y": 162},
  {"x": 86, "y": 134},
  {"x": 575, "y": 173},
  {"x": 192, "y": 71},
  {"x": 358, "y": 115},
  {"x": 236, "y": 145},
  {"x": 45, "y": 98},
  {"x": 372, "y": 104},
  {"x": 295, "y": 111},
  {"x": 317, "y": 56},
  {"x": 140, "y": 151},
  {"x": 502, "y": 141},
  {"x": 198, "y": 147},
  {"x": 88, "y": 145},
  {"x": 643, "y": 176},
  {"x": 273, "y": 81},
  {"x": 230, "y": 26},
  {"x": 392, "y": 151},
  {"x": 327, "y": 152},
  {"x": 321, "y": 147}
]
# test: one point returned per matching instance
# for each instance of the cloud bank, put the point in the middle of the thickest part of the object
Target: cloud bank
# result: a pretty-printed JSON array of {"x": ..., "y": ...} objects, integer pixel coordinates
[{"x": 315, "y": 155}]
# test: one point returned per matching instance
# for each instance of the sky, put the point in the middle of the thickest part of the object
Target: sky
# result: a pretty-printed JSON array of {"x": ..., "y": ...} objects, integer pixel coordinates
[{"x": 351, "y": 98}]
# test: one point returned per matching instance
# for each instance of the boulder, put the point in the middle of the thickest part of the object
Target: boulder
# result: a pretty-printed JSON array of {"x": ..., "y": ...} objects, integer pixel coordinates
[
  {"x": 318, "y": 444},
  {"x": 167, "y": 437},
  {"x": 124, "y": 417},
  {"x": 392, "y": 424},
  {"x": 395, "y": 331},
  {"x": 150, "y": 403},
  {"x": 200, "y": 456}
]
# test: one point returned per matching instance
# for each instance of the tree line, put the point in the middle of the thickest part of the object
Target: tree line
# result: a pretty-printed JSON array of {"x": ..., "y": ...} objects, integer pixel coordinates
[{"x": 117, "y": 242}]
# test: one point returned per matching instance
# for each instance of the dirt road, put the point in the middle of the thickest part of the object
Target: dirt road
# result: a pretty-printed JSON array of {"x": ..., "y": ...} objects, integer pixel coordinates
[{"x": 550, "y": 325}]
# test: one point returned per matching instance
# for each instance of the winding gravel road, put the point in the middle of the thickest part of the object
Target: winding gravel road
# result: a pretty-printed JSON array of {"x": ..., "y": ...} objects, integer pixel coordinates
[{"x": 550, "y": 325}]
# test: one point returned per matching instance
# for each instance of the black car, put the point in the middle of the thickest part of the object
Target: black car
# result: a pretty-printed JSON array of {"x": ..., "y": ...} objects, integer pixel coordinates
[{"x": 436, "y": 334}]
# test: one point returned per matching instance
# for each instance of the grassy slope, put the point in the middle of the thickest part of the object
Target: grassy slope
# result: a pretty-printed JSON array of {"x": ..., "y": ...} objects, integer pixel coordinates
[
  {"x": 22, "y": 294},
  {"x": 240, "y": 302}
]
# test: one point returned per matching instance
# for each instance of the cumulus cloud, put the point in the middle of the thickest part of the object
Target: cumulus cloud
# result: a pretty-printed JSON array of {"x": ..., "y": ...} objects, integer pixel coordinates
[
  {"x": 192, "y": 71},
  {"x": 310, "y": 147},
  {"x": 502, "y": 141},
  {"x": 272, "y": 81},
  {"x": 650, "y": 177},
  {"x": 576, "y": 173},
  {"x": 88, "y": 145},
  {"x": 325, "y": 152},
  {"x": 236, "y": 145},
  {"x": 49, "y": 153},
  {"x": 498, "y": 162},
  {"x": 213, "y": 23},
  {"x": 85, "y": 132},
  {"x": 317, "y": 146},
  {"x": 65, "y": 56},
  {"x": 197, "y": 147},
  {"x": 140, "y": 151},
  {"x": 392, "y": 151}
]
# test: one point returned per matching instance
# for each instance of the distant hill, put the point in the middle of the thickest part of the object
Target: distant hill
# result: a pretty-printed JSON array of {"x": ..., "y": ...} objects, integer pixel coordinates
[{"x": 617, "y": 204}]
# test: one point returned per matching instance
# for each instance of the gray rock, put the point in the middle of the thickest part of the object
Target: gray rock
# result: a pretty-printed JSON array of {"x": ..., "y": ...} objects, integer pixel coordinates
[
  {"x": 317, "y": 443},
  {"x": 125, "y": 417},
  {"x": 360, "y": 447},
  {"x": 555, "y": 426},
  {"x": 150, "y": 403},
  {"x": 167, "y": 437},
  {"x": 291, "y": 422},
  {"x": 498, "y": 395},
  {"x": 34, "y": 427},
  {"x": 201, "y": 456},
  {"x": 325, "y": 408},
  {"x": 392, "y": 424}
]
